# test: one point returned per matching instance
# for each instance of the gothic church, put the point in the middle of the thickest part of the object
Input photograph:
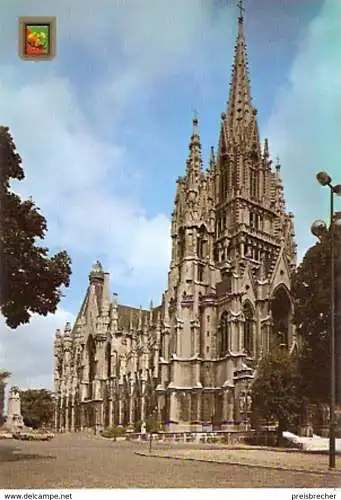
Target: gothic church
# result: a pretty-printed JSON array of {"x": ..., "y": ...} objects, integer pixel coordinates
[{"x": 190, "y": 362}]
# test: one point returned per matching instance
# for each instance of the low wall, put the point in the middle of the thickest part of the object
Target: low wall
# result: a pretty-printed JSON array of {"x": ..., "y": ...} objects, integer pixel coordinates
[{"x": 226, "y": 437}]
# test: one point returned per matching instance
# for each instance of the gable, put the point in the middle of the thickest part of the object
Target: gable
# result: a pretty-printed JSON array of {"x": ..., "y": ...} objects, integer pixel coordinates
[
  {"x": 248, "y": 285},
  {"x": 281, "y": 272}
]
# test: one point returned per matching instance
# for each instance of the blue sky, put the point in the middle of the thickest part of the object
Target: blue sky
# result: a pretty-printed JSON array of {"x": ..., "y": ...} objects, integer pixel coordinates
[{"x": 103, "y": 129}]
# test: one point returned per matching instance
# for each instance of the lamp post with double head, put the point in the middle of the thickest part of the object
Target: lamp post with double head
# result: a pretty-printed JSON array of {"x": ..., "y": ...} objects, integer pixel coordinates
[{"x": 318, "y": 229}]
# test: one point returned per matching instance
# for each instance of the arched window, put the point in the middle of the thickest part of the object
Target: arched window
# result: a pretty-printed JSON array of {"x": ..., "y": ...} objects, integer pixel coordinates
[
  {"x": 181, "y": 244},
  {"x": 248, "y": 329},
  {"x": 281, "y": 310},
  {"x": 201, "y": 243},
  {"x": 223, "y": 182},
  {"x": 108, "y": 359},
  {"x": 224, "y": 334},
  {"x": 253, "y": 183}
]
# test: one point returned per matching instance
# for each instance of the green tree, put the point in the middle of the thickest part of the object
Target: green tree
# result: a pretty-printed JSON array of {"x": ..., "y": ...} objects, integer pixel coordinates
[
  {"x": 37, "y": 407},
  {"x": 277, "y": 390},
  {"x": 312, "y": 313},
  {"x": 31, "y": 280}
]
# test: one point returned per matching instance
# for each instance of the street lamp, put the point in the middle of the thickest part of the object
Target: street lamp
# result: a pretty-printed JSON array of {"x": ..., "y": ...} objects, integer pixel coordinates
[{"x": 318, "y": 229}]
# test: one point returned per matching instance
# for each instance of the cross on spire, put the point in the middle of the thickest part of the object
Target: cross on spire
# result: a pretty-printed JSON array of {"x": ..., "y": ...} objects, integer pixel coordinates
[
  {"x": 195, "y": 113},
  {"x": 241, "y": 8}
]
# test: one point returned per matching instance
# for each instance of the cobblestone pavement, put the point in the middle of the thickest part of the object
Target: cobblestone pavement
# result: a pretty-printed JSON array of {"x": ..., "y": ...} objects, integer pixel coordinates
[{"x": 84, "y": 461}]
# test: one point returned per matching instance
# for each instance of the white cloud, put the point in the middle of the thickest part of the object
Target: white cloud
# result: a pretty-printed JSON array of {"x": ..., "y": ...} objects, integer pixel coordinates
[
  {"x": 75, "y": 176},
  {"x": 78, "y": 178},
  {"x": 27, "y": 352},
  {"x": 305, "y": 128}
]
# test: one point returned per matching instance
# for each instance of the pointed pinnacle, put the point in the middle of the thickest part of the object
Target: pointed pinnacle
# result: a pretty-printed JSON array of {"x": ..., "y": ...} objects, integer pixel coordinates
[
  {"x": 241, "y": 8},
  {"x": 212, "y": 156},
  {"x": 194, "y": 161},
  {"x": 239, "y": 108},
  {"x": 195, "y": 122},
  {"x": 139, "y": 327},
  {"x": 266, "y": 149},
  {"x": 278, "y": 165},
  {"x": 131, "y": 321}
]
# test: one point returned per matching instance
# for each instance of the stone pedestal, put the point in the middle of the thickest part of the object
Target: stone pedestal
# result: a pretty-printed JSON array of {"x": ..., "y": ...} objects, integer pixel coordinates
[{"x": 14, "y": 418}]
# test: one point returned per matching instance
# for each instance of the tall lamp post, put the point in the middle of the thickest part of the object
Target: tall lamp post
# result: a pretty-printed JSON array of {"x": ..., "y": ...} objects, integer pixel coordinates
[{"x": 319, "y": 228}]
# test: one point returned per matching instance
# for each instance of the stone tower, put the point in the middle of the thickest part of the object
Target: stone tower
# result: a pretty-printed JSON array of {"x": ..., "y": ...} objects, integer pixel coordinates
[
  {"x": 189, "y": 362},
  {"x": 233, "y": 252}
]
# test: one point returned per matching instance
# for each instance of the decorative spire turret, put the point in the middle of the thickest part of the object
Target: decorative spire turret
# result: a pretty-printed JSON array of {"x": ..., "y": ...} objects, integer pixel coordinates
[
  {"x": 212, "y": 163},
  {"x": 151, "y": 307},
  {"x": 97, "y": 273},
  {"x": 58, "y": 342},
  {"x": 139, "y": 325},
  {"x": 105, "y": 302},
  {"x": 194, "y": 162},
  {"x": 131, "y": 325},
  {"x": 67, "y": 339},
  {"x": 240, "y": 112},
  {"x": 266, "y": 149},
  {"x": 114, "y": 313}
]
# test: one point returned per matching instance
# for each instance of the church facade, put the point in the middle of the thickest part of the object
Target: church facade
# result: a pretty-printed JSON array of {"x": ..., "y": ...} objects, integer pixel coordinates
[{"x": 189, "y": 363}]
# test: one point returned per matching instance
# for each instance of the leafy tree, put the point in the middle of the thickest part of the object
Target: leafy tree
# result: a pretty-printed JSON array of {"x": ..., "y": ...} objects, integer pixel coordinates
[
  {"x": 312, "y": 313},
  {"x": 3, "y": 376},
  {"x": 276, "y": 391},
  {"x": 152, "y": 425},
  {"x": 37, "y": 407},
  {"x": 30, "y": 279}
]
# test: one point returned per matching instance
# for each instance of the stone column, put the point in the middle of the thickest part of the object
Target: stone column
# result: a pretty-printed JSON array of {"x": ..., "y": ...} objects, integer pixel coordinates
[
  {"x": 67, "y": 414},
  {"x": 234, "y": 336},
  {"x": 55, "y": 415},
  {"x": 189, "y": 397},
  {"x": 178, "y": 330},
  {"x": 61, "y": 414},
  {"x": 131, "y": 411},
  {"x": 73, "y": 414},
  {"x": 159, "y": 411},
  {"x": 110, "y": 410},
  {"x": 173, "y": 407},
  {"x": 143, "y": 402},
  {"x": 120, "y": 411},
  {"x": 230, "y": 406},
  {"x": 199, "y": 406},
  {"x": 240, "y": 336},
  {"x": 229, "y": 336},
  {"x": 82, "y": 417},
  {"x": 225, "y": 413}
]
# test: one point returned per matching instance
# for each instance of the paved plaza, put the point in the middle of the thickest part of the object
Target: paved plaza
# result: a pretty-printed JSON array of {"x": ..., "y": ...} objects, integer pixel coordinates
[
  {"x": 269, "y": 458},
  {"x": 86, "y": 461}
]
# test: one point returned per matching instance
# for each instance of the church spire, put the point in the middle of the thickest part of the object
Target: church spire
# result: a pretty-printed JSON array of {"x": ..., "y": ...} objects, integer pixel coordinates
[
  {"x": 240, "y": 110},
  {"x": 194, "y": 162}
]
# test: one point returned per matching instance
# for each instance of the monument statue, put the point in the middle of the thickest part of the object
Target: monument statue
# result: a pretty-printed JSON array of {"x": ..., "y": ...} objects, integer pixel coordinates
[{"x": 14, "y": 418}]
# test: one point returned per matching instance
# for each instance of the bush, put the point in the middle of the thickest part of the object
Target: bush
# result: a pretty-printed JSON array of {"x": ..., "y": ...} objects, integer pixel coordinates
[
  {"x": 152, "y": 424},
  {"x": 137, "y": 426},
  {"x": 114, "y": 432}
]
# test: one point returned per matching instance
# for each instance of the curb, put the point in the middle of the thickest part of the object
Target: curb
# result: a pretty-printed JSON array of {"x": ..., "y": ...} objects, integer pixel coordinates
[{"x": 240, "y": 464}]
